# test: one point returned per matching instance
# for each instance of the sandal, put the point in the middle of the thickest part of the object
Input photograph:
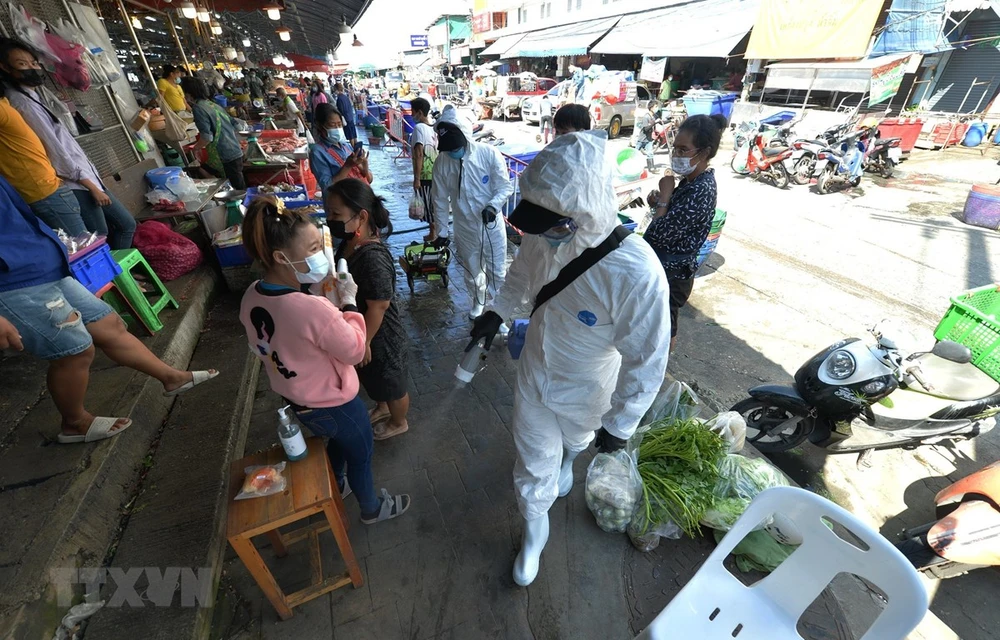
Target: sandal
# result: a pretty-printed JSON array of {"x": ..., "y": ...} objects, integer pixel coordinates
[
  {"x": 197, "y": 377},
  {"x": 375, "y": 416},
  {"x": 392, "y": 506},
  {"x": 383, "y": 431},
  {"x": 101, "y": 428}
]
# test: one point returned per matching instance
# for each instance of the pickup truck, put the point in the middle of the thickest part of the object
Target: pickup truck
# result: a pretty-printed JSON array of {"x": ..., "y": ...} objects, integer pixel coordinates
[
  {"x": 508, "y": 93},
  {"x": 612, "y": 117}
]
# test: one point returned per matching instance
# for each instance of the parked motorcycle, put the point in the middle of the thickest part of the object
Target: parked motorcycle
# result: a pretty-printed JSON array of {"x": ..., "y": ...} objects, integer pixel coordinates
[
  {"x": 841, "y": 165},
  {"x": 802, "y": 165},
  {"x": 857, "y": 397},
  {"x": 757, "y": 160},
  {"x": 966, "y": 534},
  {"x": 882, "y": 154}
]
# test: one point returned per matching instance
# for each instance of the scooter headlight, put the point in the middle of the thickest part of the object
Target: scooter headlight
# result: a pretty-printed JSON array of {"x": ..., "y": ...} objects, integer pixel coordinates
[
  {"x": 874, "y": 387},
  {"x": 841, "y": 365}
]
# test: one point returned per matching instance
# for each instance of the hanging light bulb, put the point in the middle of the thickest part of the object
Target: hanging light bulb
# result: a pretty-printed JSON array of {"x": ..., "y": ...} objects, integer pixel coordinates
[
  {"x": 284, "y": 33},
  {"x": 216, "y": 28},
  {"x": 276, "y": 59},
  {"x": 273, "y": 11},
  {"x": 356, "y": 43},
  {"x": 344, "y": 28},
  {"x": 240, "y": 57},
  {"x": 136, "y": 23},
  {"x": 188, "y": 10},
  {"x": 246, "y": 42},
  {"x": 229, "y": 53},
  {"x": 203, "y": 15}
]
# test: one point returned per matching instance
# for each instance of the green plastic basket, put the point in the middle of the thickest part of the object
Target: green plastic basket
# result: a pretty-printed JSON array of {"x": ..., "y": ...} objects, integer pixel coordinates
[{"x": 974, "y": 320}]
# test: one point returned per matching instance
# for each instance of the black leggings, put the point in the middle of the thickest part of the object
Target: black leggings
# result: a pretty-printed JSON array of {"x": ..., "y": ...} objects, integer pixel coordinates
[{"x": 680, "y": 291}]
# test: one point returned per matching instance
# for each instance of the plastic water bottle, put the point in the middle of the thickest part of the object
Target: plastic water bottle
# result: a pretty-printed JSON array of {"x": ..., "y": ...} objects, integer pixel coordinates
[{"x": 290, "y": 435}]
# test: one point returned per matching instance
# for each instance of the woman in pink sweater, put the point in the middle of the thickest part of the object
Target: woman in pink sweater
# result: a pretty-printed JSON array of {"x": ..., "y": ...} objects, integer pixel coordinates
[{"x": 309, "y": 347}]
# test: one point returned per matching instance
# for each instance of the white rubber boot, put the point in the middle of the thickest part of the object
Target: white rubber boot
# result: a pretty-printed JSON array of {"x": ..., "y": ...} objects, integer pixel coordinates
[
  {"x": 536, "y": 534},
  {"x": 477, "y": 310},
  {"x": 566, "y": 472}
]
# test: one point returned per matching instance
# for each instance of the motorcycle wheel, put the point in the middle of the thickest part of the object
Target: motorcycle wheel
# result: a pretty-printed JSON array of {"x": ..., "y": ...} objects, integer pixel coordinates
[
  {"x": 779, "y": 175},
  {"x": 823, "y": 184},
  {"x": 761, "y": 416},
  {"x": 856, "y": 181},
  {"x": 887, "y": 168},
  {"x": 736, "y": 165},
  {"x": 803, "y": 169}
]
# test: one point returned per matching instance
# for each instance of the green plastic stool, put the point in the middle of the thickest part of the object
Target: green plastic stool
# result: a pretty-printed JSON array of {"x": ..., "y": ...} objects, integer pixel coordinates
[{"x": 147, "y": 306}]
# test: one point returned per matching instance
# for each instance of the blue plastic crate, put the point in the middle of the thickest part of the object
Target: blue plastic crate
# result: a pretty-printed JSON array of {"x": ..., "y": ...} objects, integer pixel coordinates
[
  {"x": 95, "y": 269},
  {"x": 233, "y": 256},
  {"x": 298, "y": 192}
]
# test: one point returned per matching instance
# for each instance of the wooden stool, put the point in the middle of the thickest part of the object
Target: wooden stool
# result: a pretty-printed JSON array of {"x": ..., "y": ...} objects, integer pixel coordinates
[{"x": 311, "y": 489}]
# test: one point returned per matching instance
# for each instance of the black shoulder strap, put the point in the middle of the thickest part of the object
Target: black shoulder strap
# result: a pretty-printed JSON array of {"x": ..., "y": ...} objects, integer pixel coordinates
[{"x": 579, "y": 265}]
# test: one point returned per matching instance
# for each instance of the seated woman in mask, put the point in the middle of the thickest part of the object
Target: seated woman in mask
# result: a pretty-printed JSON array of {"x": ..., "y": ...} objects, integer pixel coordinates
[
  {"x": 685, "y": 208},
  {"x": 332, "y": 158}
]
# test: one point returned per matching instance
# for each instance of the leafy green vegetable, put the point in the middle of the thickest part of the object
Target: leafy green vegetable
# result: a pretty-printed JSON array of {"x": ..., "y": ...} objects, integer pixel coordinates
[{"x": 678, "y": 463}]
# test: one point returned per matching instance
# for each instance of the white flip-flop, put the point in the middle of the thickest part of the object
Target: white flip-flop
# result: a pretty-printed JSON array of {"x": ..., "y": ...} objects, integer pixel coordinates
[
  {"x": 101, "y": 428},
  {"x": 197, "y": 377}
]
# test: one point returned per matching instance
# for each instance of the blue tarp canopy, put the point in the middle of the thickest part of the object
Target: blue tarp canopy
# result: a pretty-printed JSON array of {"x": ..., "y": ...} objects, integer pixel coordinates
[
  {"x": 567, "y": 40},
  {"x": 913, "y": 26}
]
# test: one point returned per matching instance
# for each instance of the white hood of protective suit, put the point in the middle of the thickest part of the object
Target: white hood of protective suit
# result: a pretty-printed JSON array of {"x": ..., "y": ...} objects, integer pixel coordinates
[
  {"x": 450, "y": 114},
  {"x": 571, "y": 177}
]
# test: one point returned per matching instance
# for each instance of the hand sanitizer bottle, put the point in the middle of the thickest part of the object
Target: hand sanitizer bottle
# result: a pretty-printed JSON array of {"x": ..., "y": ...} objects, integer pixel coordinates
[{"x": 290, "y": 435}]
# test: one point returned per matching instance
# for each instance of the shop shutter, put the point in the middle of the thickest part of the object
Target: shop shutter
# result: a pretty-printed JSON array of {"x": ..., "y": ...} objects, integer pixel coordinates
[
  {"x": 110, "y": 149},
  {"x": 980, "y": 60}
]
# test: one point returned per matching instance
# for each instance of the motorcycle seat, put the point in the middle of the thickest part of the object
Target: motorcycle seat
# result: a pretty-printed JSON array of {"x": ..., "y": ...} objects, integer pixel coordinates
[
  {"x": 955, "y": 381},
  {"x": 774, "y": 151}
]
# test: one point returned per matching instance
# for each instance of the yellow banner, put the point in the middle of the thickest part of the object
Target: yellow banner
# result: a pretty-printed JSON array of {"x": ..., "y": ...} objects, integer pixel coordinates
[{"x": 805, "y": 29}]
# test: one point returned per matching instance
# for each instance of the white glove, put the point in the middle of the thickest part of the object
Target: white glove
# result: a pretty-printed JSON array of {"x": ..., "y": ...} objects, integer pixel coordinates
[{"x": 348, "y": 290}]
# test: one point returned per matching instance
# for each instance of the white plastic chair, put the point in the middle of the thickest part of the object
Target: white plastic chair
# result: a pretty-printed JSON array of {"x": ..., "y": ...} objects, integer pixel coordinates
[{"x": 714, "y": 604}]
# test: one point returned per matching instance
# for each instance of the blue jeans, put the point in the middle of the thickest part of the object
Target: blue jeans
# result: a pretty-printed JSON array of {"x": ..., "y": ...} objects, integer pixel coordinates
[
  {"x": 113, "y": 220},
  {"x": 61, "y": 211},
  {"x": 44, "y": 316},
  {"x": 350, "y": 433}
]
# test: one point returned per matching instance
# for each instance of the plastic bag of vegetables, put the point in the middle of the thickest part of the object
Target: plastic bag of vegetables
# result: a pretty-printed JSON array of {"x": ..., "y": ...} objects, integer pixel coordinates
[
  {"x": 732, "y": 427},
  {"x": 675, "y": 401},
  {"x": 613, "y": 488},
  {"x": 740, "y": 480}
]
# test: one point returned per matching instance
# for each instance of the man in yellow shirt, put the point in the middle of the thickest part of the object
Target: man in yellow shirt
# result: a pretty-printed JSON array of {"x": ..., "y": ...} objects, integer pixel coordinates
[
  {"x": 26, "y": 167},
  {"x": 169, "y": 86}
]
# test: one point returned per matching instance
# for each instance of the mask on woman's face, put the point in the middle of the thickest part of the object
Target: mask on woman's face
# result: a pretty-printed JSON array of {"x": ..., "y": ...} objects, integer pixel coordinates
[
  {"x": 319, "y": 268},
  {"x": 177, "y": 80},
  {"x": 338, "y": 229},
  {"x": 335, "y": 136},
  {"x": 683, "y": 166},
  {"x": 31, "y": 77}
]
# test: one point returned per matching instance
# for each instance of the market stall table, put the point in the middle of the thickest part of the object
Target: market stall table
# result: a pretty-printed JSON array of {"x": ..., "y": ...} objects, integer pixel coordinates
[{"x": 206, "y": 191}]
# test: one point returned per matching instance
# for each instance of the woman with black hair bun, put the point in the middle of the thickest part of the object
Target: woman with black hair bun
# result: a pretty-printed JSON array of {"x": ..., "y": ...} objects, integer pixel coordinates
[
  {"x": 685, "y": 207},
  {"x": 359, "y": 218}
]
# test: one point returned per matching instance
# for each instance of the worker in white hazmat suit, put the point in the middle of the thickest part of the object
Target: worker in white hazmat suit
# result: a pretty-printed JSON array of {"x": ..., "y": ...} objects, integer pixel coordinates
[
  {"x": 596, "y": 351},
  {"x": 471, "y": 179}
]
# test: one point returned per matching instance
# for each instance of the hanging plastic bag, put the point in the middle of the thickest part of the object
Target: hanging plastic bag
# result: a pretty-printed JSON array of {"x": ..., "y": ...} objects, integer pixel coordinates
[
  {"x": 262, "y": 480},
  {"x": 416, "y": 207},
  {"x": 676, "y": 401},
  {"x": 58, "y": 108},
  {"x": 31, "y": 31},
  {"x": 732, "y": 427},
  {"x": 613, "y": 489},
  {"x": 70, "y": 70},
  {"x": 740, "y": 480},
  {"x": 175, "y": 129}
]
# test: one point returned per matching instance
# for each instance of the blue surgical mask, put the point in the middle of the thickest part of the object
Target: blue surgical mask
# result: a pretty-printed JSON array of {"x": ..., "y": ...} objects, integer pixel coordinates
[
  {"x": 319, "y": 268},
  {"x": 561, "y": 234},
  {"x": 335, "y": 136},
  {"x": 457, "y": 154}
]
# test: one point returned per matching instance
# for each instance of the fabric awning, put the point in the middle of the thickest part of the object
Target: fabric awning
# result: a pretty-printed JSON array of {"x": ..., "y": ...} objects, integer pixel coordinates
[
  {"x": 852, "y": 76},
  {"x": 813, "y": 30},
  {"x": 709, "y": 29},
  {"x": 502, "y": 44},
  {"x": 566, "y": 40}
]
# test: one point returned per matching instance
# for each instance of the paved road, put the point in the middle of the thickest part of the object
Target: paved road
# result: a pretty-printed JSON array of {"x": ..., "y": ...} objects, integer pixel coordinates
[{"x": 796, "y": 271}]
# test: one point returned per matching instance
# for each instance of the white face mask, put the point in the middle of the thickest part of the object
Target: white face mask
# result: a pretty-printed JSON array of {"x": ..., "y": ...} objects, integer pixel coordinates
[
  {"x": 319, "y": 268},
  {"x": 336, "y": 136},
  {"x": 682, "y": 166}
]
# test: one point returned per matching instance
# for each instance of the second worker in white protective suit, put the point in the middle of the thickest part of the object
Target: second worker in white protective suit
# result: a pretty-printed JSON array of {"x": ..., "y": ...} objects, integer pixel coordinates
[
  {"x": 596, "y": 352},
  {"x": 471, "y": 179}
]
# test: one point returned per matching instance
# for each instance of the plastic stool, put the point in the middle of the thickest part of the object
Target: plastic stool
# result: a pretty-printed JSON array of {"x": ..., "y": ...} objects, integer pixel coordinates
[{"x": 147, "y": 312}]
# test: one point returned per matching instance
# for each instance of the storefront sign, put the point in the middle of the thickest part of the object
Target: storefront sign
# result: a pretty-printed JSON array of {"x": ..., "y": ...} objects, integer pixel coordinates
[
  {"x": 482, "y": 22},
  {"x": 418, "y": 42},
  {"x": 886, "y": 80},
  {"x": 800, "y": 29},
  {"x": 653, "y": 69}
]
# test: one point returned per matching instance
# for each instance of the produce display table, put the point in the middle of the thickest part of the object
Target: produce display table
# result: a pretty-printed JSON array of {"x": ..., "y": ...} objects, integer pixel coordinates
[{"x": 206, "y": 191}]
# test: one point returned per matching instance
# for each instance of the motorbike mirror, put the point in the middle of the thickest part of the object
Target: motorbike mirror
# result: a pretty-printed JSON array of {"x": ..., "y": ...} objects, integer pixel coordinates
[{"x": 953, "y": 352}]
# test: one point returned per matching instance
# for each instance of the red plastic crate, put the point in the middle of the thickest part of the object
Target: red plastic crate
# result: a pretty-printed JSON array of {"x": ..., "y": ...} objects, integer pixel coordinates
[
  {"x": 940, "y": 134},
  {"x": 906, "y": 128}
]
